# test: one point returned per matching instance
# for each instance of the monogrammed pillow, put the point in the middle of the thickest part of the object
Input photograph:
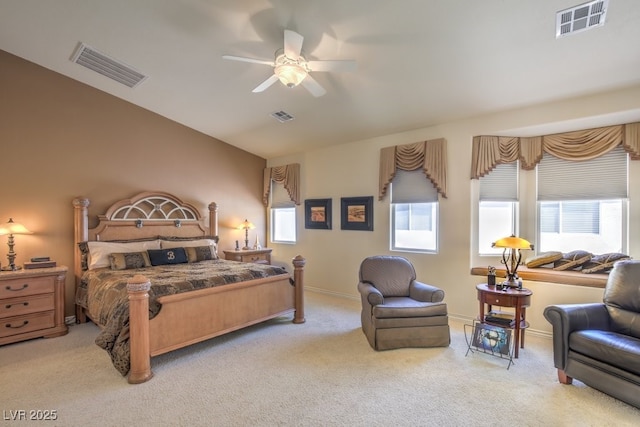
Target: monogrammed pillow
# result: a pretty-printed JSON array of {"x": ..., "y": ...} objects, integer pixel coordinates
[{"x": 168, "y": 256}]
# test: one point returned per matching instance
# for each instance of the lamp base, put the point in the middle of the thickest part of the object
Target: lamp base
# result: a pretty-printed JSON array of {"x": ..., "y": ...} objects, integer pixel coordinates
[
  {"x": 11, "y": 268},
  {"x": 511, "y": 283}
]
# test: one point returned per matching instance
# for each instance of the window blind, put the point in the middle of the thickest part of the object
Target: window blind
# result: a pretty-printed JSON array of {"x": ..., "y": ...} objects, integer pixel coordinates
[
  {"x": 280, "y": 197},
  {"x": 412, "y": 187},
  {"x": 602, "y": 178},
  {"x": 501, "y": 184}
]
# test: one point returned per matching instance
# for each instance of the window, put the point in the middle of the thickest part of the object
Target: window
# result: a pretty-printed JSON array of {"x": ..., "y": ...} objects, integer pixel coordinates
[
  {"x": 414, "y": 209},
  {"x": 497, "y": 210},
  {"x": 582, "y": 205},
  {"x": 283, "y": 215},
  {"x": 283, "y": 225},
  {"x": 595, "y": 226}
]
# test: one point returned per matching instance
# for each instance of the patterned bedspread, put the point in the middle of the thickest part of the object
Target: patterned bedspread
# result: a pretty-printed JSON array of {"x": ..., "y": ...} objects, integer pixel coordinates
[{"x": 103, "y": 292}]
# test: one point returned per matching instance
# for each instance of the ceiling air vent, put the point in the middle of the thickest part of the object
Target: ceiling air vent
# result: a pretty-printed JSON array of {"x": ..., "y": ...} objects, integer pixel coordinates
[
  {"x": 282, "y": 116},
  {"x": 108, "y": 67},
  {"x": 581, "y": 18}
]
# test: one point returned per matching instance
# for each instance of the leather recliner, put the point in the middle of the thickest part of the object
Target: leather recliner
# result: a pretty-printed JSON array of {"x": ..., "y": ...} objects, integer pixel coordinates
[{"x": 599, "y": 343}]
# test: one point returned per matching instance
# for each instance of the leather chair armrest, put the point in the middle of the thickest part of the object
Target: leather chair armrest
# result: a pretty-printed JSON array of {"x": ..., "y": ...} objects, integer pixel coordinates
[
  {"x": 573, "y": 317},
  {"x": 426, "y": 293},
  {"x": 372, "y": 295}
]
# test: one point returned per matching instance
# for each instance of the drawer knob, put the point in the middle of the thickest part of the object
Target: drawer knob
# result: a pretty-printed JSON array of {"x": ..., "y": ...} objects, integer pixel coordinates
[
  {"x": 25, "y": 286},
  {"x": 497, "y": 300},
  {"x": 26, "y": 303},
  {"x": 9, "y": 325}
]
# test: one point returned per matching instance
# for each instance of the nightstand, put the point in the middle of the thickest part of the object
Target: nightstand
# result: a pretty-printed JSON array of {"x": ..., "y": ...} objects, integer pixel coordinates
[
  {"x": 32, "y": 304},
  {"x": 258, "y": 256}
]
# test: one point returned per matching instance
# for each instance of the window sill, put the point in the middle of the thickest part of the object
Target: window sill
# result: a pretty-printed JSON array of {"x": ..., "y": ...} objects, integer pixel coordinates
[{"x": 542, "y": 274}]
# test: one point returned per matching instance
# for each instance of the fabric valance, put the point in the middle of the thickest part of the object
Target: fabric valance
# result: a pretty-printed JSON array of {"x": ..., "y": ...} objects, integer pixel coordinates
[
  {"x": 289, "y": 175},
  {"x": 429, "y": 156},
  {"x": 489, "y": 151}
]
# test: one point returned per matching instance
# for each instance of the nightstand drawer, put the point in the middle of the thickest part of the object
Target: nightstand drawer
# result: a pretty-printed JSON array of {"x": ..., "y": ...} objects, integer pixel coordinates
[
  {"x": 28, "y": 323},
  {"x": 13, "y": 288},
  {"x": 257, "y": 258},
  {"x": 21, "y": 306}
]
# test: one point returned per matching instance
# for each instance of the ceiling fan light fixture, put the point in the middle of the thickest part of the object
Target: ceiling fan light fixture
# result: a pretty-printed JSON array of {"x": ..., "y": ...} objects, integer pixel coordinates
[
  {"x": 291, "y": 72},
  {"x": 291, "y": 75}
]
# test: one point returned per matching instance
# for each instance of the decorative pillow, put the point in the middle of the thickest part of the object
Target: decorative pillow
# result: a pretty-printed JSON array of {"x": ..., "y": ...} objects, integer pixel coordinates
[
  {"x": 603, "y": 263},
  {"x": 199, "y": 253},
  {"x": 172, "y": 240},
  {"x": 191, "y": 242},
  {"x": 543, "y": 258},
  {"x": 84, "y": 255},
  {"x": 167, "y": 256},
  {"x": 572, "y": 260},
  {"x": 99, "y": 251},
  {"x": 129, "y": 260}
]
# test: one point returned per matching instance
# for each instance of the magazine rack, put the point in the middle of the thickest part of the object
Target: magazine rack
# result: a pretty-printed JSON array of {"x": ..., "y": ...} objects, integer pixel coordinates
[{"x": 489, "y": 339}]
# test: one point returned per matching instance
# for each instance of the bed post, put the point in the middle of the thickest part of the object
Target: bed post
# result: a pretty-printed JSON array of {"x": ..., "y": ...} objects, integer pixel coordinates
[
  {"x": 140, "y": 364},
  {"x": 298, "y": 273},
  {"x": 213, "y": 219},
  {"x": 80, "y": 234}
]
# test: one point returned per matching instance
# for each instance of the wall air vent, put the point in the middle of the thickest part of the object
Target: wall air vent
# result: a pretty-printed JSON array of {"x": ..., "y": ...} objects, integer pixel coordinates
[
  {"x": 581, "y": 18},
  {"x": 282, "y": 116},
  {"x": 108, "y": 67}
]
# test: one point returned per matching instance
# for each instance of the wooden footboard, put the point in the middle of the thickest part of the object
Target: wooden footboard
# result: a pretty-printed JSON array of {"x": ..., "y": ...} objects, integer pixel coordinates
[{"x": 191, "y": 317}]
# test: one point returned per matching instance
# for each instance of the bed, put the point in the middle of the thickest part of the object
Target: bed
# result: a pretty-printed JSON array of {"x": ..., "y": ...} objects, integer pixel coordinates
[{"x": 132, "y": 280}]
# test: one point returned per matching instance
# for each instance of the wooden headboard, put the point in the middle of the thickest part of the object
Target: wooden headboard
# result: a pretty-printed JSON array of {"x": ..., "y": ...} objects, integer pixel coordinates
[{"x": 145, "y": 215}]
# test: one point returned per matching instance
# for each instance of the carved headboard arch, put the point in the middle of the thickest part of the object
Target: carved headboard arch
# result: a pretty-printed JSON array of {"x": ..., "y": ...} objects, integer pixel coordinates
[{"x": 152, "y": 206}]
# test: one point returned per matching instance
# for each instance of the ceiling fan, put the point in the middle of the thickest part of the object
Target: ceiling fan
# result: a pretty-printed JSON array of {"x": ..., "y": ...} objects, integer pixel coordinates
[{"x": 292, "y": 68}]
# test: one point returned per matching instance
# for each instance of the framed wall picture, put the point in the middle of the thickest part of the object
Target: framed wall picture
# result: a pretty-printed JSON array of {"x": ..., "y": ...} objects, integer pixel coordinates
[
  {"x": 356, "y": 213},
  {"x": 317, "y": 214}
]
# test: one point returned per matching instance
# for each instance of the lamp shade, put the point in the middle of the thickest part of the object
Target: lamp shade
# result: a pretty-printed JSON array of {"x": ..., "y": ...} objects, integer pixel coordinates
[
  {"x": 246, "y": 225},
  {"x": 12, "y": 227},
  {"x": 512, "y": 242}
]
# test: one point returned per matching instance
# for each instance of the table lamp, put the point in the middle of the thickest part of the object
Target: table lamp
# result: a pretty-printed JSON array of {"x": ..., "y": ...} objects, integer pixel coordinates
[
  {"x": 511, "y": 256},
  {"x": 12, "y": 228},
  {"x": 246, "y": 226}
]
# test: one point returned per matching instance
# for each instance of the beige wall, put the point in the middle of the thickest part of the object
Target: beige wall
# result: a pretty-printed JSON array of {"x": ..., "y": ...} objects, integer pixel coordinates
[
  {"x": 61, "y": 139},
  {"x": 333, "y": 256}
]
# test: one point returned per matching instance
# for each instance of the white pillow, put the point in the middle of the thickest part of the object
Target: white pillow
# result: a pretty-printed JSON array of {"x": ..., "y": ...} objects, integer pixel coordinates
[
  {"x": 99, "y": 251},
  {"x": 170, "y": 244}
]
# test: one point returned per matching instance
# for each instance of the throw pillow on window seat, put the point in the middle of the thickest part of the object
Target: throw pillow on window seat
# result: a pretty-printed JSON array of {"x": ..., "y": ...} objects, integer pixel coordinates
[
  {"x": 572, "y": 260},
  {"x": 543, "y": 259},
  {"x": 603, "y": 263}
]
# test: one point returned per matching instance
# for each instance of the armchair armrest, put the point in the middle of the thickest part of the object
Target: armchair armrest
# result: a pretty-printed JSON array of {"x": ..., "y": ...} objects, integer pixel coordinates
[
  {"x": 426, "y": 293},
  {"x": 370, "y": 293},
  {"x": 573, "y": 317}
]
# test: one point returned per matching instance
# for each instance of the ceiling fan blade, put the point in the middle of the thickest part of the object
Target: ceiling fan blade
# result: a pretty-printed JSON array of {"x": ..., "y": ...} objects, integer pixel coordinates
[
  {"x": 292, "y": 44},
  {"x": 265, "y": 84},
  {"x": 244, "y": 59},
  {"x": 313, "y": 86},
  {"x": 346, "y": 65}
]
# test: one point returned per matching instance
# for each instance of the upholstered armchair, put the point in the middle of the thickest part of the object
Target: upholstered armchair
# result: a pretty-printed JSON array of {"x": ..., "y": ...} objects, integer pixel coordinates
[
  {"x": 599, "y": 343},
  {"x": 397, "y": 310}
]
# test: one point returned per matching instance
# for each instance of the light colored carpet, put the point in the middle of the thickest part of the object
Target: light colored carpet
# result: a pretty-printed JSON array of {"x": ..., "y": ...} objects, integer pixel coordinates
[{"x": 321, "y": 373}]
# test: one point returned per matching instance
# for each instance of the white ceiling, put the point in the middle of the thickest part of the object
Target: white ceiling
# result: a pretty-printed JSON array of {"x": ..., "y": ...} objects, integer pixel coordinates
[{"x": 420, "y": 62}]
